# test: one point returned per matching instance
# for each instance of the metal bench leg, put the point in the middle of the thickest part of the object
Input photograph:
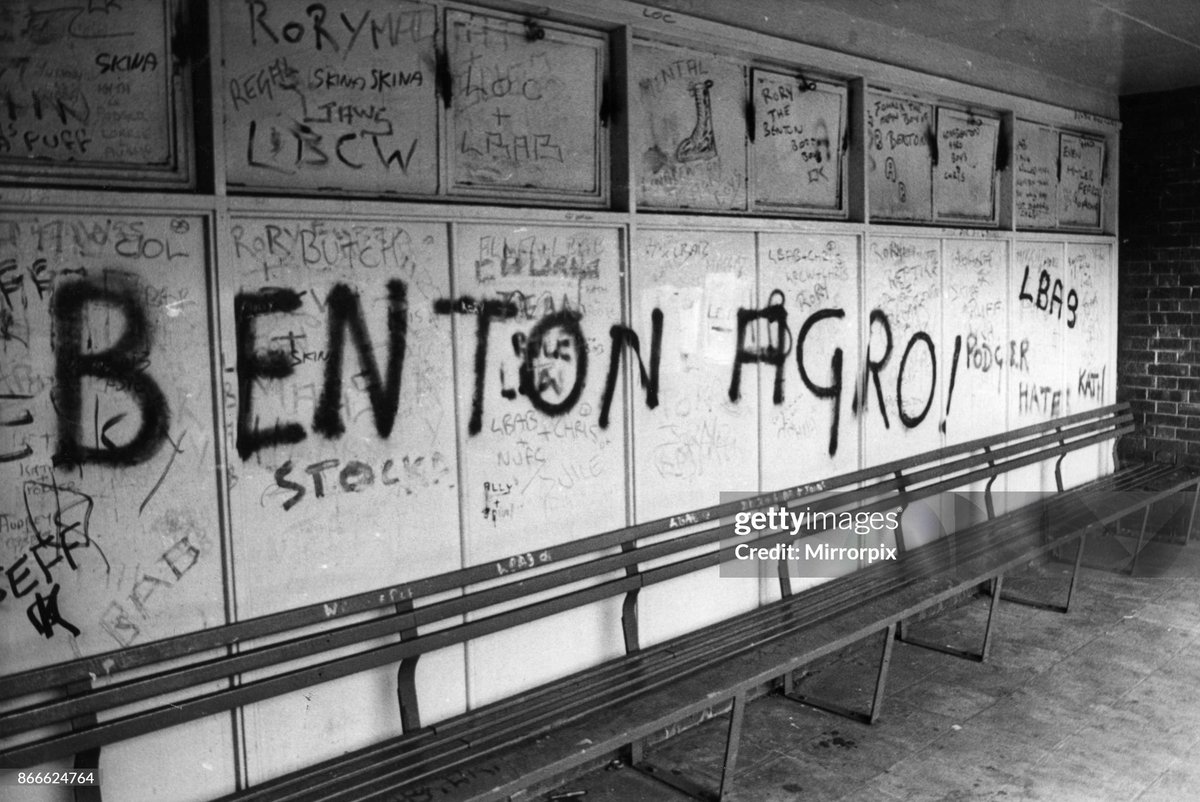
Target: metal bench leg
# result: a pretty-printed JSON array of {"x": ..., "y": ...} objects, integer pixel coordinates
[
  {"x": 733, "y": 739},
  {"x": 1051, "y": 606},
  {"x": 1187, "y": 536},
  {"x": 1066, "y": 608},
  {"x": 629, "y": 621},
  {"x": 406, "y": 680},
  {"x": 870, "y": 717},
  {"x": 1141, "y": 537},
  {"x": 88, "y": 758},
  {"x": 966, "y": 654}
]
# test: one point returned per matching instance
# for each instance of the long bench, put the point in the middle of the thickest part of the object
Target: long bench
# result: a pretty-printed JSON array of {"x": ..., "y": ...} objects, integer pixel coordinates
[{"x": 491, "y": 752}]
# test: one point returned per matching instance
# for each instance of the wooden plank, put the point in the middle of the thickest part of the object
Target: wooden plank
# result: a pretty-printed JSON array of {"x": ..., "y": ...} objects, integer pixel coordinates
[
  {"x": 243, "y": 661},
  {"x": 671, "y": 654},
  {"x": 492, "y": 596},
  {"x": 113, "y": 662}
]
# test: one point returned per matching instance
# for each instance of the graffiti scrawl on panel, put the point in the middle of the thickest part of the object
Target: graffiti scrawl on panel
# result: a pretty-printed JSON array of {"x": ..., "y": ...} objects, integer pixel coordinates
[{"x": 108, "y": 516}]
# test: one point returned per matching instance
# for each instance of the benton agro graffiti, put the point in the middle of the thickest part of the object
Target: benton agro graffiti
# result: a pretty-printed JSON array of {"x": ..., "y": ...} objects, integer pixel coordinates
[
  {"x": 554, "y": 365},
  {"x": 556, "y": 348},
  {"x": 553, "y": 356}
]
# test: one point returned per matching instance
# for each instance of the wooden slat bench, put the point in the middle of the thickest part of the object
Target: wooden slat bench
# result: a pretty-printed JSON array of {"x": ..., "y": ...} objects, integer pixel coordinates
[{"x": 490, "y": 753}]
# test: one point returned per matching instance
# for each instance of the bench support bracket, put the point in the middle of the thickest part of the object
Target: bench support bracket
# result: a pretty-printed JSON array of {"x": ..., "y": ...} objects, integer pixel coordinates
[
  {"x": 689, "y": 786},
  {"x": 872, "y": 715},
  {"x": 1056, "y": 608},
  {"x": 406, "y": 680},
  {"x": 979, "y": 656},
  {"x": 88, "y": 758},
  {"x": 1187, "y": 536},
  {"x": 1141, "y": 537}
]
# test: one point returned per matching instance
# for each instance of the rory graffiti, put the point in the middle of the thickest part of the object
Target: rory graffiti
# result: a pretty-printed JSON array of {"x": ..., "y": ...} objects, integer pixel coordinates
[{"x": 327, "y": 95}]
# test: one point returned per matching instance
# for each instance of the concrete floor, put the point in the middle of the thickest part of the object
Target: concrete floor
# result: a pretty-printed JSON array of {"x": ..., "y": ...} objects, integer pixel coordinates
[{"x": 1100, "y": 704}]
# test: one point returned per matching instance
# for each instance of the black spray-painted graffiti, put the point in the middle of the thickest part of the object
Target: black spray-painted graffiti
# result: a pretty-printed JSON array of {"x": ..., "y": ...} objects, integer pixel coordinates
[
  {"x": 122, "y": 365},
  {"x": 779, "y": 346},
  {"x": 345, "y": 312},
  {"x": 553, "y": 367},
  {"x": 356, "y": 475},
  {"x": 554, "y": 353},
  {"x": 774, "y": 353},
  {"x": 59, "y": 519},
  {"x": 1049, "y": 297}
]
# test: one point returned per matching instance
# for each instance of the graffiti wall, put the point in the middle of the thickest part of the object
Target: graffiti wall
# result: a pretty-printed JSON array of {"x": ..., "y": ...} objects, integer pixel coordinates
[
  {"x": 543, "y": 443},
  {"x": 390, "y": 290},
  {"x": 339, "y": 421},
  {"x": 110, "y": 525},
  {"x": 701, "y": 438},
  {"x": 207, "y": 420}
]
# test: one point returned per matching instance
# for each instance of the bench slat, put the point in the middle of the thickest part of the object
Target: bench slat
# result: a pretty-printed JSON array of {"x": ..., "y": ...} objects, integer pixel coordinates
[
  {"x": 672, "y": 653},
  {"x": 102, "y": 665},
  {"x": 306, "y": 646},
  {"x": 491, "y": 584}
]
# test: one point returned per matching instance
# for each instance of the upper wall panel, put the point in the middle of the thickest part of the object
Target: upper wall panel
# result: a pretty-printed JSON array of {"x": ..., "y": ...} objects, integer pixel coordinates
[
  {"x": 525, "y": 108},
  {"x": 310, "y": 102},
  {"x": 689, "y": 129},
  {"x": 92, "y": 93},
  {"x": 581, "y": 105}
]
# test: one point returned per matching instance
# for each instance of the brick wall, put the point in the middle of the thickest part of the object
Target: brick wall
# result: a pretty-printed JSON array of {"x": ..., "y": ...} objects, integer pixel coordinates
[{"x": 1158, "y": 357}]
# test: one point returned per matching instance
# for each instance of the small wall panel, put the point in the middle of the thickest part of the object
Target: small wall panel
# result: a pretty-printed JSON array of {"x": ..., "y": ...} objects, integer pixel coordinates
[
  {"x": 689, "y": 129},
  {"x": 900, "y": 138},
  {"x": 1036, "y": 176},
  {"x": 964, "y": 182},
  {"x": 334, "y": 96},
  {"x": 525, "y": 114},
  {"x": 93, "y": 93},
  {"x": 798, "y": 129},
  {"x": 1080, "y": 182}
]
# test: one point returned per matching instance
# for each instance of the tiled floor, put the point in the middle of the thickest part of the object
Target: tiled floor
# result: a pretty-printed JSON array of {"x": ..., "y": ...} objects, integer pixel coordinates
[{"x": 1099, "y": 704}]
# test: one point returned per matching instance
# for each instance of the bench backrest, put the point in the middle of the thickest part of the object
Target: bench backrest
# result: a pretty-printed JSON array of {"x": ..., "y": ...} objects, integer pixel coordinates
[{"x": 616, "y": 558}]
